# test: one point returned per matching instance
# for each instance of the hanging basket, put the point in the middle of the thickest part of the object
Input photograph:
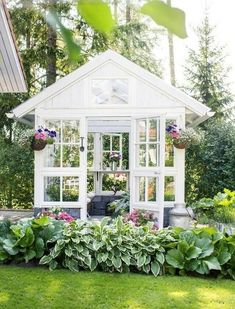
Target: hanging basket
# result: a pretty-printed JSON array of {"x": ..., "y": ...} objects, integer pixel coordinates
[
  {"x": 38, "y": 144},
  {"x": 180, "y": 145}
]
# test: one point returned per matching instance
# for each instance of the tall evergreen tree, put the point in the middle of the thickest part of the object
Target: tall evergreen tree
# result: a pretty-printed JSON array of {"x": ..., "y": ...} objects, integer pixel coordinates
[
  {"x": 209, "y": 165},
  {"x": 206, "y": 71}
]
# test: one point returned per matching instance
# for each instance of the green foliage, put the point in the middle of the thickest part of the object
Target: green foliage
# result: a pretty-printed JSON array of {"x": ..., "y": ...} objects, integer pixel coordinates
[
  {"x": 171, "y": 18},
  {"x": 97, "y": 14},
  {"x": 122, "y": 247},
  {"x": 206, "y": 72},
  {"x": 219, "y": 209},
  {"x": 16, "y": 173},
  {"x": 28, "y": 239},
  {"x": 73, "y": 48},
  {"x": 120, "y": 206},
  {"x": 210, "y": 165},
  {"x": 118, "y": 247}
]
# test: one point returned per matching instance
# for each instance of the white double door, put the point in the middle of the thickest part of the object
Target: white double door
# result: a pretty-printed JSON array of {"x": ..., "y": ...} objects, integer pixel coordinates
[{"x": 147, "y": 165}]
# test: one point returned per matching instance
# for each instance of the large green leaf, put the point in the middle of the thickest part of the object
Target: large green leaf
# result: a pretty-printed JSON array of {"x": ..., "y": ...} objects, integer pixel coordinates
[
  {"x": 97, "y": 14},
  {"x": 46, "y": 259},
  {"x": 141, "y": 260},
  {"x": 39, "y": 247},
  {"x": 205, "y": 244},
  {"x": 73, "y": 48},
  {"x": 223, "y": 257},
  {"x": 155, "y": 268},
  {"x": 40, "y": 222},
  {"x": 117, "y": 262},
  {"x": 212, "y": 263},
  {"x": 29, "y": 255},
  {"x": 193, "y": 252},
  {"x": 160, "y": 258},
  {"x": 175, "y": 258},
  {"x": 8, "y": 246},
  {"x": 28, "y": 239},
  {"x": 171, "y": 18},
  {"x": 202, "y": 268}
]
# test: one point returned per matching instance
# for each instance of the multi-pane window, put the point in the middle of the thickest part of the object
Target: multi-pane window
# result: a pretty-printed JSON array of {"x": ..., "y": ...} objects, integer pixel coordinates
[
  {"x": 61, "y": 189},
  {"x": 111, "y": 143},
  {"x": 148, "y": 142},
  {"x": 110, "y": 91},
  {"x": 147, "y": 188},
  {"x": 65, "y": 151}
]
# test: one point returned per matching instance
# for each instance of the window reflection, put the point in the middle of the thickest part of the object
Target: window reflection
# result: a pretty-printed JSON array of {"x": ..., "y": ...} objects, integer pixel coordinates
[{"x": 110, "y": 91}]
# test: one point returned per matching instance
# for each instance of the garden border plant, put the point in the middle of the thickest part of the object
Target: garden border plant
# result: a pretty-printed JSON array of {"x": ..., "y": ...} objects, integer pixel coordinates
[{"x": 118, "y": 247}]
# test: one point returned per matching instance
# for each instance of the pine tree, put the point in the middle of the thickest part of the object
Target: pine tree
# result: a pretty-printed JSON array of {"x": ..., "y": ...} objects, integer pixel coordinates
[
  {"x": 209, "y": 164},
  {"x": 206, "y": 71}
]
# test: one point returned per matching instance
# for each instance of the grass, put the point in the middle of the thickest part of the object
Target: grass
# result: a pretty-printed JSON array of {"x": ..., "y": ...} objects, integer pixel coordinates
[{"x": 39, "y": 288}]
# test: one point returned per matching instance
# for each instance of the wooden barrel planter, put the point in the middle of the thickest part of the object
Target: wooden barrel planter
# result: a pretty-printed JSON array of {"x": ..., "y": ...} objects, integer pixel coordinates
[{"x": 38, "y": 144}]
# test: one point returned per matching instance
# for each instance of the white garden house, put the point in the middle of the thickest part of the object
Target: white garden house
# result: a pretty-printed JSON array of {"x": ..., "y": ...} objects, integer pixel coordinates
[{"x": 110, "y": 105}]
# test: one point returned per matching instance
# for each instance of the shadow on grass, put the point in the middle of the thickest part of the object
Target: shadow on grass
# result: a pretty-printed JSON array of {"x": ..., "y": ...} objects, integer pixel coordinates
[{"x": 40, "y": 288}]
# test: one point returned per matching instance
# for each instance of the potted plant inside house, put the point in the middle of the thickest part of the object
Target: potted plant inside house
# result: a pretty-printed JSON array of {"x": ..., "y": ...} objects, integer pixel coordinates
[
  {"x": 114, "y": 158},
  {"x": 180, "y": 138},
  {"x": 42, "y": 137}
]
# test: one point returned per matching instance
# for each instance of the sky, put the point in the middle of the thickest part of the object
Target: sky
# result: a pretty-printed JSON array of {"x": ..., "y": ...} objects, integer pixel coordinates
[{"x": 221, "y": 15}]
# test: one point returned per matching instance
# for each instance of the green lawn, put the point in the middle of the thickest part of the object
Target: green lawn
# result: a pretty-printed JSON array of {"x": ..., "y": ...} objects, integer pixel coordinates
[{"x": 40, "y": 288}]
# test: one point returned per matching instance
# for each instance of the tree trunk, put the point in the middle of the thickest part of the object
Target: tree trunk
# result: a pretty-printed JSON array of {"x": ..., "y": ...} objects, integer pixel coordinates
[
  {"x": 51, "y": 50},
  {"x": 115, "y": 6},
  {"x": 171, "y": 54},
  {"x": 128, "y": 11}
]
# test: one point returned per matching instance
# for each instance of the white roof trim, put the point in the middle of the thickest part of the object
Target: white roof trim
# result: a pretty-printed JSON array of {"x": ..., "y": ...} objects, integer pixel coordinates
[
  {"x": 11, "y": 70},
  {"x": 125, "y": 64}
]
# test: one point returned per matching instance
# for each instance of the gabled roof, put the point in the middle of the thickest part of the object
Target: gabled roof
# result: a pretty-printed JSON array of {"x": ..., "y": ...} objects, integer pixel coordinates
[
  {"x": 11, "y": 70},
  {"x": 198, "y": 109}
]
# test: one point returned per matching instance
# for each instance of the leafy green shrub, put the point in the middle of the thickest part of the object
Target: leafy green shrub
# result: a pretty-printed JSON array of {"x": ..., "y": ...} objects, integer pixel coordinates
[
  {"x": 29, "y": 239},
  {"x": 219, "y": 209},
  {"x": 115, "y": 247},
  {"x": 120, "y": 206},
  {"x": 119, "y": 246}
]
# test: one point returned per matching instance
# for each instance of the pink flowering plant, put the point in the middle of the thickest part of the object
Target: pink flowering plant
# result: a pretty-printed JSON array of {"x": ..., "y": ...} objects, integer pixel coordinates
[
  {"x": 46, "y": 135},
  {"x": 139, "y": 217},
  {"x": 115, "y": 156},
  {"x": 58, "y": 214},
  {"x": 177, "y": 136}
]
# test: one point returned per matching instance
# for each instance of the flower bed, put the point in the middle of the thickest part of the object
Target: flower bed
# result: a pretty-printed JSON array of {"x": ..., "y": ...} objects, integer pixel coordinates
[{"x": 118, "y": 246}]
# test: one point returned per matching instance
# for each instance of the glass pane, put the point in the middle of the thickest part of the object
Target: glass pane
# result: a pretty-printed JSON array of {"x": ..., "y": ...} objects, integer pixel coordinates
[
  {"x": 106, "y": 142},
  {"x": 51, "y": 156},
  {"x": 70, "y": 189},
  {"x": 169, "y": 155},
  {"x": 110, "y": 91},
  {"x": 71, "y": 156},
  {"x": 115, "y": 143},
  {"x": 141, "y": 155},
  {"x": 169, "y": 190},
  {"x": 106, "y": 162},
  {"x": 141, "y": 186},
  {"x": 152, "y": 189},
  {"x": 90, "y": 183},
  {"x": 90, "y": 141},
  {"x": 141, "y": 130},
  {"x": 90, "y": 159},
  {"x": 114, "y": 182},
  {"x": 125, "y": 151},
  {"x": 54, "y": 125},
  {"x": 153, "y": 159},
  {"x": 153, "y": 130},
  {"x": 51, "y": 189},
  {"x": 71, "y": 132}
]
